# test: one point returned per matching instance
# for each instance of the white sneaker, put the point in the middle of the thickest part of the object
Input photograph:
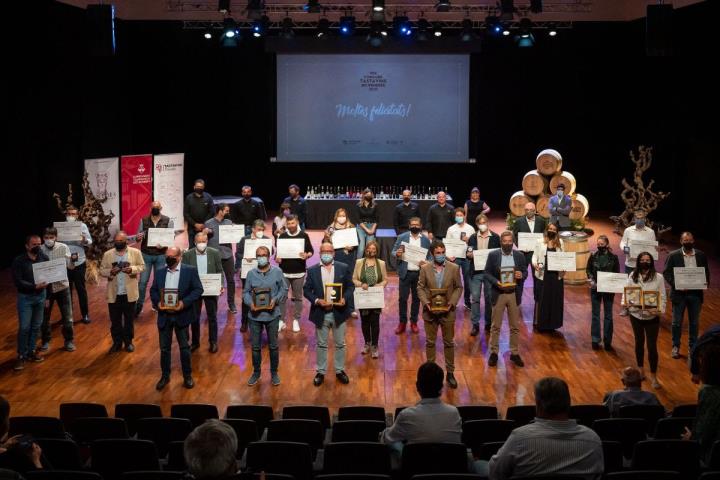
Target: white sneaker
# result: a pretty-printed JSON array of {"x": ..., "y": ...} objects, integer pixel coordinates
[
  {"x": 354, "y": 315},
  {"x": 675, "y": 353},
  {"x": 296, "y": 326},
  {"x": 281, "y": 326}
]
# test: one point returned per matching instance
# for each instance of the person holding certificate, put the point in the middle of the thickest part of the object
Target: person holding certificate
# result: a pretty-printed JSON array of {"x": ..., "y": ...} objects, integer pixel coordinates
[
  {"x": 366, "y": 213},
  {"x": 484, "y": 239},
  {"x": 344, "y": 254},
  {"x": 263, "y": 292},
  {"x": 408, "y": 273},
  {"x": 461, "y": 230},
  {"x": 529, "y": 223},
  {"x": 30, "y": 301},
  {"x": 602, "y": 260},
  {"x": 637, "y": 231},
  {"x": 645, "y": 318},
  {"x": 294, "y": 269},
  {"x": 76, "y": 275},
  {"x": 57, "y": 292},
  {"x": 153, "y": 255},
  {"x": 257, "y": 233},
  {"x": 550, "y": 294},
  {"x": 682, "y": 297},
  {"x": 370, "y": 272},
  {"x": 207, "y": 261},
  {"x": 212, "y": 228}
]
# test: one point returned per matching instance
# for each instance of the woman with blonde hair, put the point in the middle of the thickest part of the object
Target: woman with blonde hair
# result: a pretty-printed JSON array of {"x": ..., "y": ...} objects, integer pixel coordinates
[
  {"x": 341, "y": 221},
  {"x": 370, "y": 272}
]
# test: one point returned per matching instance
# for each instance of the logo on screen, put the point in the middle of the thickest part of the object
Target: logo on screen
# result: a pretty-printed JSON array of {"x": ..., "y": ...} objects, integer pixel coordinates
[{"x": 373, "y": 81}]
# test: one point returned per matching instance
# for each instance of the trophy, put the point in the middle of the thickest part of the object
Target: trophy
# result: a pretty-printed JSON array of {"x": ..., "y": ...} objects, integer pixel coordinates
[
  {"x": 632, "y": 297},
  {"x": 333, "y": 293},
  {"x": 507, "y": 277},
  {"x": 438, "y": 300},
  {"x": 262, "y": 299},
  {"x": 169, "y": 299},
  {"x": 650, "y": 299}
]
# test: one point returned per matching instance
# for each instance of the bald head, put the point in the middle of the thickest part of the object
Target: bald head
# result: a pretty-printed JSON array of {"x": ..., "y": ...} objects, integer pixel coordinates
[
  {"x": 631, "y": 377},
  {"x": 530, "y": 209}
]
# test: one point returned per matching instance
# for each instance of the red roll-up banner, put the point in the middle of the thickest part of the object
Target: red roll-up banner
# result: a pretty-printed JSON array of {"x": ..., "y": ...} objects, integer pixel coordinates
[{"x": 136, "y": 178}]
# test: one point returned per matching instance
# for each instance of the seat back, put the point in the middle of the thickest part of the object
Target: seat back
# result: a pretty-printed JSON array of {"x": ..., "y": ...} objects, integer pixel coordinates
[
  {"x": 627, "y": 431},
  {"x": 38, "y": 427},
  {"x": 420, "y": 458},
  {"x": 650, "y": 413},
  {"x": 672, "y": 427},
  {"x": 612, "y": 456},
  {"x": 297, "y": 430},
  {"x": 673, "y": 455},
  {"x": 644, "y": 475},
  {"x": 152, "y": 475},
  {"x": 62, "y": 454},
  {"x": 521, "y": 414},
  {"x": 132, "y": 412},
  {"x": 477, "y": 432},
  {"x": 197, "y": 413},
  {"x": 61, "y": 475},
  {"x": 70, "y": 411},
  {"x": 357, "y": 430},
  {"x": 261, "y": 414},
  {"x": 88, "y": 429},
  {"x": 246, "y": 432},
  {"x": 308, "y": 412},
  {"x": 111, "y": 458},
  {"x": 361, "y": 413},
  {"x": 478, "y": 412},
  {"x": 289, "y": 458},
  {"x": 587, "y": 414},
  {"x": 685, "y": 410},
  {"x": 163, "y": 430},
  {"x": 356, "y": 457},
  {"x": 176, "y": 457}
]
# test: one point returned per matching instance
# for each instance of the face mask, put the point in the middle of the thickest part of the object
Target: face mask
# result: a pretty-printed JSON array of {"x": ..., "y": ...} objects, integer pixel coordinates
[
  {"x": 286, "y": 213},
  {"x": 341, "y": 220},
  {"x": 259, "y": 234},
  {"x": 120, "y": 246},
  {"x": 459, "y": 220},
  {"x": 602, "y": 249},
  {"x": 155, "y": 212},
  {"x": 262, "y": 262},
  {"x": 640, "y": 223},
  {"x": 560, "y": 193},
  {"x": 482, "y": 228},
  {"x": 247, "y": 196},
  {"x": 35, "y": 250},
  {"x": 440, "y": 259},
  {"x": 49, "y": 243},
  {"x": 551, "y": 235},
  {"x": 326, "y": 258},
  {"x": 201, "y": 246},
  {"x": 530, "y": 214},
  {"x": 644, "y": 266},
  {"x": 368, "y": 198},
  {"x": 70, "y": 218},
  {"x": 415, "y": 230},
  {"x": 506, "y": 249},
  {"x": 406, "y": 199},
  {"x": 171, "y": 261},
  {"x": 688, "y": 246},
  {"x": 199, "y": 192},
  {"x": 370, "y": 254}
]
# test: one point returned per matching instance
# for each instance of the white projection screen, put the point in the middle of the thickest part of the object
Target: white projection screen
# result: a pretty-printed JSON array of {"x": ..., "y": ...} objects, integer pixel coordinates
[{"x": 372, "y": 108}]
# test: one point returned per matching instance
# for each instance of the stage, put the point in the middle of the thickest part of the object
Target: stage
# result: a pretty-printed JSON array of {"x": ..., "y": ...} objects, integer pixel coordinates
[{"x": 90, "y": 374}]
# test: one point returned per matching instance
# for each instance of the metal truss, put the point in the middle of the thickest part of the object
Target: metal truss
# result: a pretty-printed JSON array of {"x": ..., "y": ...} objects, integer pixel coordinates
[{"x": 361, "y": 24}]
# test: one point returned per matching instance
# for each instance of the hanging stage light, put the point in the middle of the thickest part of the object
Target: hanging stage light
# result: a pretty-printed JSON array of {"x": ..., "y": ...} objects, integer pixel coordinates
[
  {"x": 378, "y": 5},
  {"x": 286, "y": 29},
  {"x": 402, "y": 26},
  {"x": 347, "y": 26},
  {"x": 259, "y": 27},
  {"x": 466, "y": 34},
  {"x": 323, "y": 28}
]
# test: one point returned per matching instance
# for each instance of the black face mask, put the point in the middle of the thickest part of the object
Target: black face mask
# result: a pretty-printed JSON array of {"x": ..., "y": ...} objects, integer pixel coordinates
[
  {"x": 406, "y": 199},
  {"x": 506, "y": 249},
  {"x": 199, "y": 192},
  {"x": 35, "y": 250},
  {"x": 602, "y": 249},
  {"x": 688, "y": 246},
  {"x": 551, "y": 235},
  {"x": 644, "y": 266},
  {"x": 247, "y": 196},
  {"x": 155, "y": 212},
  {"x": 415, "y": 230},
  {"x": 120, "y": 246},
  {"x": 171, "y": 261}
]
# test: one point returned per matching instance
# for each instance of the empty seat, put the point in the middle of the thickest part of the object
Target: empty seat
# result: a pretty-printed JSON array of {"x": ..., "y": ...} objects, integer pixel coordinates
[
  {"x": 418, "y": 458},
  {"x": 357, "y": 430},
  {"x": 308, "y": 412},
  {"x": 111, "y": 458},
  {"x": 257, "y": 476},
  {"x": 521, "y": 414},
  {"x": 650, "y": 413},
  {"x": 197, "y": 413},
  {"x": 70, "y": 411},
  {"x": 88, "y": 429},
  {"x": 447, "y": 476},
  {"x": 246, "y": 432},
  {"x": 297, "y": 430},
  {"x": 289, "y": 458},
  {"x": 62, "y": 454},
  {"x": 477, "y": 432},
  {"x": 176, "y": 457},
  {"x": 163, "y": 430},
  {"x": 587, "y": 414},
  {"x": 685, "y": 410},
  {"x": 673, "y": 455},
  {"x": 612, "y": 456},
  {"x": 478, "y": 412},
  {"x": 132, "y": 412},
  {"x": 627, "y": 431},
  {"x": 260, "y": 414},
  {"x": 356, "y": 457},
  {"x": 152, "y": 475},
  {"x": 62, "y": 475},
  {"x": 487, "y": 450},
  {"x": 38, "y": 427},
  {"x": 361, "y": 413},
  {"x": 672, "y": 427},
  {"x": 714, "y": 462},
  {"x": 644, "y": 475},
  {"x": 353, "y": 476}
]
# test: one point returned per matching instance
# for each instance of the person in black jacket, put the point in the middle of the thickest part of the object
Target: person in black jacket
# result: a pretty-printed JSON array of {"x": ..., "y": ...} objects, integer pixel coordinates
[
  {"x": 294, "y": 271},
  {"x": 687, "y": 256},
  {"x": 404, "y": 211},
  {"x": 440, "y": 217},
  {"x": 602, "y": 260},
  {"x": 298, "y": 206},
  {"x": 199, "y": 207},
  {"x": 247, "y": 210}
]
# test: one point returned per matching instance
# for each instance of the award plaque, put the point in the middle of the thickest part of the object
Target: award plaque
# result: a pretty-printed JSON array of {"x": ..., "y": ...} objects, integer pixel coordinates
[
  {"x": 333, "y": 293},
  {"x": 650, "y": 299},
  {"x": 169, "y": 299},
  {"x": 507, "y": 277},
  {"x": 262, "y": 299},
  {"x": 438, "y": 300},
  {"x": 633, "y": 297}
]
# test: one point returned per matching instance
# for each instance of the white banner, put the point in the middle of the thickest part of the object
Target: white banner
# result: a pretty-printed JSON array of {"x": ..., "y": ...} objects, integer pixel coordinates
[
  {"x": 168, "y": 186},
  {"x": 104, "y": 179}
]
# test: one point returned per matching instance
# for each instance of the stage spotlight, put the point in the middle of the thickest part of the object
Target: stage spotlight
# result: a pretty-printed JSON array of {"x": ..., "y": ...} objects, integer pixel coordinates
[
  {"x": 507, "y": 9},
  {"x": 493, "y": 25},
  {"x": 525, "y": 37},
  {"x": 259, "y": 27},
  {"x": 552, "y": 30},
  {"x": 312, "y": 6},
  {"x": 255, "y": 9},
  {"x": 402, "y": 26},
  {"x": 423, "y": 29},
  {"x": 230, "y": 35},
  {"x": 208, "y": 34},
  {"x": 224, "y": 6},
  {"x": 505, "y": 31},
  {"x": 347, "y": 26},
  {"x": 466, "y": 34},
  {"x": 442, "y": 6},
  {"x": 437, "y": 29},
  {"x": 286, "y": 31},
  {"x": 536, "y": 6},
  {"x": 323, "y": 28},
  {"x": 378, "y": 5},
  {"x": 377, "y": 32}
]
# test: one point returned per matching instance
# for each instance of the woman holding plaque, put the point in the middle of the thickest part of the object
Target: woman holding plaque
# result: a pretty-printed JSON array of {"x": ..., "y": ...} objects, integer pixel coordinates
[
  {"x": 550, "y": 290},
  {"x": 645, "y": 314},
  {"x": 370, "y": 272},
  {"x": 367, "y": 216},
  {"x": 341, "y": 222}
]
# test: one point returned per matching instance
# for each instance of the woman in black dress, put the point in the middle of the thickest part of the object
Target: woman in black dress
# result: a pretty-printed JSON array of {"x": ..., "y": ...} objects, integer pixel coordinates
[{"x": 549, "y": 289}]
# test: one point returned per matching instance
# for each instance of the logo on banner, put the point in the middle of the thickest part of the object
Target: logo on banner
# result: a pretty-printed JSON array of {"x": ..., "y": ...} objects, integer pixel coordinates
[
  {"x": 167, "y": 167},
  {"x": 141, "y": 169},
  {"x": 373, "y": 81}
]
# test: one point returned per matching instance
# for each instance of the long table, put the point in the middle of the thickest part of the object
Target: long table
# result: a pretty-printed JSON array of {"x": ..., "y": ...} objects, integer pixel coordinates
[{"x": 321, "y": 212}]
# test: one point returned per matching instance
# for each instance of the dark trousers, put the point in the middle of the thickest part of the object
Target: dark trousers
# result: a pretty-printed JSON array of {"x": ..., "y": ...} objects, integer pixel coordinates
[
  {"x": 643, "y": 329},
  {"x": 408, "y": 285},
  {"x": 693, "y": 303},
  {"x": 528, "y": 262},
  {"x": 211, "y": 309},
  {"x": 244, "y": 309},
  {"x": 370, "y": 322},
  {"x": 64, "y": 301},
  {"x": 76, "y": 276},
  {"x": 181, "y": 333},
  {"x": 229, "y": 269},
  {"x": 607, "y": 304},
  {"x": 122, "y": 316}
]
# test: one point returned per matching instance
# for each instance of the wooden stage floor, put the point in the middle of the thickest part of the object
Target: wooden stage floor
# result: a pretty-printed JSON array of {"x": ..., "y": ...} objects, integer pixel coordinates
[{"x": 90, "y": 374}]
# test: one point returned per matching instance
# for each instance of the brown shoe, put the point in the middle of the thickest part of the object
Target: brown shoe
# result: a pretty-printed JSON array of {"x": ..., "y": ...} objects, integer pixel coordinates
[
  {"x": 244, "y": 327},
  {"x": 414, "y": 328},
  {"x": 400, "y": 328}
]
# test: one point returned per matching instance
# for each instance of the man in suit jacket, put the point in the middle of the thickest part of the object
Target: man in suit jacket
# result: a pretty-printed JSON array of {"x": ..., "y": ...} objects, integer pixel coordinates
[
  {"x": 530, "y": 223},
  {"x": 185, "y": 279},
  {"x": 207, "y": 260},
  {"x": 440, "y": 274},
  {"x": 505, "y": 297},
  {"x": 483, "y": 239},
  {"x": 408, "y": 274},
  {"x": 326, "y": 315},
  {"x": 560, "y": 206},
  {"x": 687, "y": 256}
]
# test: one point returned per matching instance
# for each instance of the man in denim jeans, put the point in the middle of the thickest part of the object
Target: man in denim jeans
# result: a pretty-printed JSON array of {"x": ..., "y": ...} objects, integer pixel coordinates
[
  {"x": 153, "y": 256},
  {"x": 57, "y": 292},
  {"x": 30, "y": 300}
]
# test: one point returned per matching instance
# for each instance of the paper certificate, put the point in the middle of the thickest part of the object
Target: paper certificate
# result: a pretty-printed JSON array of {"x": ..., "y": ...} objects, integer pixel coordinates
[
  {"x": 347, "y": 237},
  {"x": 251, "y": 246},
  {"x": 290, "y": 247},
  {"x": 480, "y": 257},
  {"x": 50, "y": 271},
  {"x": 68, "y": 231},
  {"x": 165, "y": 237},
  {"x": 212, "y": 284},
  {"x": 639, "y": 246},
  {"x": 561, "y": 261},
  {"x": 690, "y": 278},
  {"x": 413, "y": 253},
  {"x": 231, "y": 233},
  {"x": 527, "y": 241},
  {"x": 609, "y": 282},
  {"x": 454, "y": 247},
  {"x": 373, "y": 297},
  {"x": 246, "y": 266}
]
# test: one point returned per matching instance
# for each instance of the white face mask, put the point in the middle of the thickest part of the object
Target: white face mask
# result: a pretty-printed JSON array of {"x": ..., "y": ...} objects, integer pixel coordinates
[
  {"x": 259, "y": 234},
  {"x": 201, "y": 247},
  {"x": 70, "y": 219},
  {"x": 341, "y": 220},
  {"x": 49, "y": 243},
  {"x": 482, "y": 228}
]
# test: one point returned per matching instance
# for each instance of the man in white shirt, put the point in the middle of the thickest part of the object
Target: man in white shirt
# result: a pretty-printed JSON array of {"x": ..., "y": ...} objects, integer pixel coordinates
[
  {"x": 462, "y": 231},
  {"x": 638, "y": 231},
  {"x": 76, "y": 275},
  {"x": 58, "y": 292}
]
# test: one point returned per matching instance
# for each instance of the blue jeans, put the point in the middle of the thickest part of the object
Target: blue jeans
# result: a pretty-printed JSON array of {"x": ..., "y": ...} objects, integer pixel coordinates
[
  {"x": 478, "y": 282},
  {"x": 156, "y": 261},
  {"x": 363, "y": 239},
  {"x": 607, "y": 305},
  {"x": 321, "y": 335},
  {"x": 407, "y": 286},
  {"x": 692, "y": 302},
  {"x": 31, "y": 308},
  {"x": 465, "y": 266},
  {"x": 256, "y": 329}
]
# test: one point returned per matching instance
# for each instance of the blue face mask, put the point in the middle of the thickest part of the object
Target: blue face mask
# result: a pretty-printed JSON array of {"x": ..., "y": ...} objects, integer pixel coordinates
[
  {"x": 640, "y": 223},
  {"x": 459, "y": 219},
  {"x": 440, "y": 259},
  {"x": 560, "y": 193},
  {"x": 326, "y": 258},
  {"x": 262, "y": 261}
]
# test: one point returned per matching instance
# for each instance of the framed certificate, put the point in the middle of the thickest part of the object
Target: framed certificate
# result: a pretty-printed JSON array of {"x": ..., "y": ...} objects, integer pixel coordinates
[
  {"x": 333, "y": 293},
  {"x": 262, "y": 299},
  {"x": 507, "y": 277},
  {"x": 650, "y": 299},
  {"x": 632, "y": 297},
  {"x": 169, "y": 299},
  {"x": 68, "y": 231},
  {"x": 439, "y": 300}
]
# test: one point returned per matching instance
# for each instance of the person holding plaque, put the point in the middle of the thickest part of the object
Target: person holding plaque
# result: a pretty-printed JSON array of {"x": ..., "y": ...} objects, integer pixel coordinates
[
  {"x": 529, "y": 223},
  {"x": 263, "y": 292},
  {"x": 682, "y": 299},
  {"x": 122, "y": 266},
  {"x": 366, "y": 213},
  {"x": 483, "y": 240},
  {"x": 560, "y": 206},
  {"x": 212, "y": 228},
  {"x": 602, "y": 260},
  {"x": 257, "y": 232},
  {"x": 174, "y": 291},
  {"x": 505, "y": 272},
  {"x": 439, "y": 289},
  {"x": 370, "y": 272},
  {"x": 199, "y": 206},
  {"x": 57, "y": 292},
  {"x": 645, "y": 318},
  {"x": 408, "y": 274},
  {"x": 439, "y": 217},
  {"x": 207, "y": 261},
  {"x": 294, "y": 271},
  {"x": 550, "y": 294},
  {"x": 153, "y": 255},
  {"x": 76, "y": 275},
  {"x": 461, "y": 230},
  {"x": 329, "y": 289},
  {"x": 404, "y": 212}
]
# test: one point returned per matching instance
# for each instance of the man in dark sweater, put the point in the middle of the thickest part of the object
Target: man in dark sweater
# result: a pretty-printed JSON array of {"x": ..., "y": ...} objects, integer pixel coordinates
[
  {"x": 294, "y": 271},
  {"x": 439, "y": 218},
  {"x": 247, "y": 210},
  {"x": 298, "y": 206},
  {"x": 199, "y": 207},
  {"x": 404, "y": 211}
]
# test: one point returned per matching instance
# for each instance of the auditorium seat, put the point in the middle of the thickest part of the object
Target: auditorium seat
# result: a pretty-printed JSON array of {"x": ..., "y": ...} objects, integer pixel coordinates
[
  {"x": 685, "y": 410},
  {"x": 163, "y": 430},
  {"x": 477, "y": 412},
  {"x": 132, "y": 412},
  {"x": 714, "y": 462},
  {"x": 297, "y": 430},
  {"x": 308, "y": 412},
  {"x": 356, "y": 457},
  {"x": 257, "y": 476},
  {"x": 260, "y": 414},
  {"x": 70, "y": 411},
  {"x": 152, "y": 475},
  {"x": 289, "y": 458},
  {"x": 246, "y": 432},
  {"x": 671, "y": 455},
  {"x": 420, "y": 458},
  {"x": 477, "y": 432},
  {"x": 357, "y": 430},
  {"x": 487, "y": 450},
  {"x": 553, "y": 476},
  {"x": 627, "y": 431},
  {"x": 62, "y": 454},
  {"x": 397, "y": 412},
  {"x": 612, "y": 456},
  {"x": 176, "y": 457},
  {"x": 710, "y": 476},
  {"x": 587, "y": 414},
  {"x": 447, "y": 476},
  {"x": 38, "y": 427},
  {"x": 353, "y": 476},
  {"x": 88, "y": 429},
  {"x": 672, "y": 427},
  {"x": 644, "y": 475},
  {"x": 650, "y": 413},
  {"x": 111, "y": 458},
  {"x": 62, "y": 475},
  {"x": 197, "y": 413},
  {"x": 361, "y": 413},
  {"x": 521, "y": 414}
]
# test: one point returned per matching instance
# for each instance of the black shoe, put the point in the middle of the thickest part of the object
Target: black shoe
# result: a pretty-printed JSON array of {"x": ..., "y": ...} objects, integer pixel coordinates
[
  {"x": 492, "y": 360},
  {"x": 474, "y": 331},
  {"x": 487, "y": 328},
  {"x": 595, "y": 346},
  {"x": 194, "y": 347},
  {"x": 517, "y": 360},
  {"x": 451, "y": 380},
  {"x": 342, "y": 377},
  {"x": 468, "y": 305},
  {"x": 609, "y": 348},
  {"x": 188, "y": 382},
  {"x": 116, "y": 347},
  {"x": 213, "y": 347},
  {"x": 130, "y": 347},
  {"x": 85, "y": 319},
  {"x": 243, "y": 327},
  {"x": 162, "y": 383},
  {"x": 233, "y": 309},
  {"x": 319, "y": 379}
]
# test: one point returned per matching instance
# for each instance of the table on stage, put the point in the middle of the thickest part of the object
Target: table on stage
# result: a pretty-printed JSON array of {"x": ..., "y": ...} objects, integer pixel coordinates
[{"x": 321, "y": 212}]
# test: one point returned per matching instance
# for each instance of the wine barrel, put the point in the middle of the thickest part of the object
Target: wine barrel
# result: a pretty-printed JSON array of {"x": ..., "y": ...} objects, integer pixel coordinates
[
  {"x": 517, "y": 203},
  {"x": 580, "y": 207},
  {"x": 567, "y": 179},
  {"x": 542, "y": 206},
  {"x": 576, "y": 242},
  {"x": 534, "y": 184},
  {"x": 548, "y": 162}
]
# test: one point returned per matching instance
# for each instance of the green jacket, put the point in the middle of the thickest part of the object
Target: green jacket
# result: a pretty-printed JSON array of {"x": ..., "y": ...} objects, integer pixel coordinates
[{"x": 214, "y": 264}]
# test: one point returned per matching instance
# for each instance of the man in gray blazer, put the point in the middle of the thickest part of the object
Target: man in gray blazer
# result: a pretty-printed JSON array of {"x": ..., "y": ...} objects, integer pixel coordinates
[{"x": 560, "y": 207}]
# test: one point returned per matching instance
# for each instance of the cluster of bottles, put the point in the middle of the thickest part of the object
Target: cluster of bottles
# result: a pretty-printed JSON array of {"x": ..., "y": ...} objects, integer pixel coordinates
[{"x": 383, "y": 192}]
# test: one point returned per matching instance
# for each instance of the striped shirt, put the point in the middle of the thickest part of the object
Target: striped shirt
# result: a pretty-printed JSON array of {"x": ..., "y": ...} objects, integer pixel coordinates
[{"x": 549, "y": 447}]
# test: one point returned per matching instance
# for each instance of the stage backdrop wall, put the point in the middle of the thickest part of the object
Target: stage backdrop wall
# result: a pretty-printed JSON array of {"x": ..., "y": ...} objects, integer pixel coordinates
[
  {"x": 136, "y": 174},
  {"x": 105, "y": 182},
  {"x": 168, "y": 185}
]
